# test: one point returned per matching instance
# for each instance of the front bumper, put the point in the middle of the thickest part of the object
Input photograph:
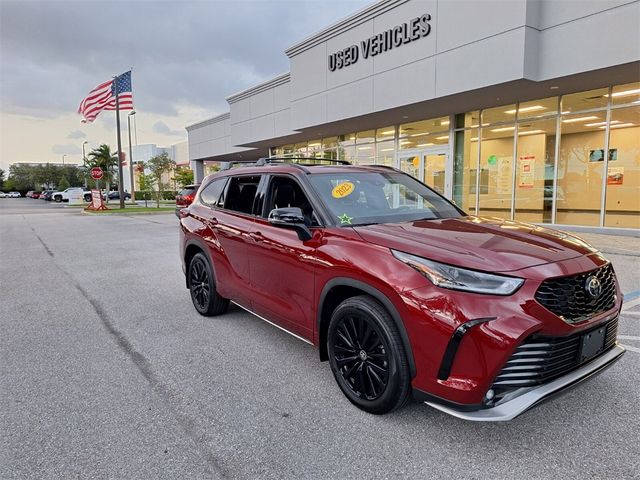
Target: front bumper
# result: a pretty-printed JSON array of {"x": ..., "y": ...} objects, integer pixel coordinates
[{"x": 509, "y": 409}]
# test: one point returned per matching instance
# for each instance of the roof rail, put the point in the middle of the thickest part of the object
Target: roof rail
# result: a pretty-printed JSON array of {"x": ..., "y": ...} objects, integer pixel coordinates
[
  {"x": 283, "y": 159},
  {"x": 293, "y": 161}
]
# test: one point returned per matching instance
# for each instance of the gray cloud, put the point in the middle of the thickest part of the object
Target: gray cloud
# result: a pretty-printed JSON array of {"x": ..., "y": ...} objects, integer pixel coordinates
[
  {"x": 164, "y": 129},
  {"x": 182, "y": 52},
  {"x": 69, "y": 149},
  {"x": 77, "y": 134}
]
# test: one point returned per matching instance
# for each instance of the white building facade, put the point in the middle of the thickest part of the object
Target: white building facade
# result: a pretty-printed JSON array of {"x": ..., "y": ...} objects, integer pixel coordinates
[{"x": 521, "y": 109}]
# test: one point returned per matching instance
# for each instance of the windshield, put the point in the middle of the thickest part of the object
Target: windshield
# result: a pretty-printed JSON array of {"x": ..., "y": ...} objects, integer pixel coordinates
[{"x": 361, "y": 198}]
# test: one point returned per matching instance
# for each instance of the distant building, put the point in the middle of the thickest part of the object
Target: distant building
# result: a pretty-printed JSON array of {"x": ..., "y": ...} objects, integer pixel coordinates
[{"x": 178, "y": 152}]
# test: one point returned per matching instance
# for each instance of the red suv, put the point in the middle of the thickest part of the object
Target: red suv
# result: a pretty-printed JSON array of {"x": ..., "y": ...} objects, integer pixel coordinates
[
  {"x": 401, "y": 291},
  {"x": 185, "y": 197}
]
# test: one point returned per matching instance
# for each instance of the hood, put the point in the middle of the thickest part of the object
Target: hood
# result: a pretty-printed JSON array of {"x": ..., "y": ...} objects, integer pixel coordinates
[{"x": 478, "y": 243}]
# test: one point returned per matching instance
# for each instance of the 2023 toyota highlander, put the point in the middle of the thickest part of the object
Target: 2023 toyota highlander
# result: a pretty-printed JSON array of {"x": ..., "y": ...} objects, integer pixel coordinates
[{"x": 402, "y": 292}]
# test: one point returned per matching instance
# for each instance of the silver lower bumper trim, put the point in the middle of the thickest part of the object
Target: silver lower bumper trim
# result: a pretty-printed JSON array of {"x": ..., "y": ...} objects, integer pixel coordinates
[{"x": 512, "y": 408}]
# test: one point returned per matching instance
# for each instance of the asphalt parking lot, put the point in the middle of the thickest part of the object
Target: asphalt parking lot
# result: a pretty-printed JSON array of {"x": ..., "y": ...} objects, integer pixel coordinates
[{"x": 106, "y": 371}]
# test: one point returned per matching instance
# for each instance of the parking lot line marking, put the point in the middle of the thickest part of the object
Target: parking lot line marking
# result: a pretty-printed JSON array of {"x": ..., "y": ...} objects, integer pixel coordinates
[
  {"x": 630, "y": 303},
  {"x": 628, "y": 337},
  {"x": 633, "y": 349},
  {"x": 632, "y": 295},
  {"x": 632, "y": 314}
]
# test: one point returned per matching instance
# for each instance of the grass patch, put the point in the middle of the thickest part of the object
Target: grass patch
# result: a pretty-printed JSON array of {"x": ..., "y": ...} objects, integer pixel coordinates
[{"x": 128, "y": 210}]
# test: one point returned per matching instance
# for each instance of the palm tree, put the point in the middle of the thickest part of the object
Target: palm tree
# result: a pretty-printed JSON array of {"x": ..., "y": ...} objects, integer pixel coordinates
[{"x": 103, "y": 158}]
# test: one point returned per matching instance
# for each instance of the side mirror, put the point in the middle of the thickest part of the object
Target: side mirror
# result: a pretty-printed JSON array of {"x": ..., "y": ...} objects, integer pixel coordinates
[{"x": 291, "y": 217}]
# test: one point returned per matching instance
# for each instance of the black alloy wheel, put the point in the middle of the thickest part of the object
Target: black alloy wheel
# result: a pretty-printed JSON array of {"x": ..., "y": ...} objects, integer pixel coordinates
[
  {"x": 202, "y": 286},
  {"x": 367, "y": 355}
]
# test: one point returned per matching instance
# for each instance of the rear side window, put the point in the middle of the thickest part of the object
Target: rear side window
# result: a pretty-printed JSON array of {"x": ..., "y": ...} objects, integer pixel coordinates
[
  {"x": 241, "y": 193},
  {"x": 187, "y": 191},
  {"x": 210, "y": 194}
]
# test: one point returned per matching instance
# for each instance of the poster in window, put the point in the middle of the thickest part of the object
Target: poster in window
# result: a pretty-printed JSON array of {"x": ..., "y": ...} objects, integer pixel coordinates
[
  {"x": 615, "y": 176},
  {"x": 504, "y": 175},
  {"x": 598, "y": 155},
  {"x": 526, "y": 173}
]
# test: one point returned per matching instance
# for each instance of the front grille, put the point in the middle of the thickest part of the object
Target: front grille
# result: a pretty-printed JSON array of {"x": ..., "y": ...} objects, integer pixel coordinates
[
  {"x": 540, "y": 359},
  {"x": 568, "y": 298}
]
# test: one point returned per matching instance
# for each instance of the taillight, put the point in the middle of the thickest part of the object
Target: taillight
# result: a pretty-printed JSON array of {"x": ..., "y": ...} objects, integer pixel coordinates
[{"x": 188, "y": 199}]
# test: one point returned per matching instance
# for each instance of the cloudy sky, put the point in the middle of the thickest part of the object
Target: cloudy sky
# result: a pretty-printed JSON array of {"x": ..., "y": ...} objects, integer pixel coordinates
[{"x": 187, "y": 56}]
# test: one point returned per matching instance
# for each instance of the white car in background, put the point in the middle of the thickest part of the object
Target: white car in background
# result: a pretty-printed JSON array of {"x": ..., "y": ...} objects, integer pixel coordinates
[
  {"x": 14, "y": 194},
  {"x": 2, "y": 194},
  {"x": 63, "y": 196}
]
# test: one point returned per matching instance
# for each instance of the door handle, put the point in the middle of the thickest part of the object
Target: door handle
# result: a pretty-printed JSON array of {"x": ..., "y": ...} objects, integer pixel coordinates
[{"x": 256, "y": 236}]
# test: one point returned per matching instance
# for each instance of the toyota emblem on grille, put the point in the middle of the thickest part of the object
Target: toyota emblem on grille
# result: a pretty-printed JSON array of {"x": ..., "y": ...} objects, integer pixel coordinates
[{"x": 593, "y": 287}]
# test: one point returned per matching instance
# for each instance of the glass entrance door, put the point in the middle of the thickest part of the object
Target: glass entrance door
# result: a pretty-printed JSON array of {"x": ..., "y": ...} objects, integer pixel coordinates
[{"x": 428, "y": 166}]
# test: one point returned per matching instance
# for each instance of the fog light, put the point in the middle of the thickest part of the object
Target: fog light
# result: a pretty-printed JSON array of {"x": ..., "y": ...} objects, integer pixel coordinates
[{"x": 489, "y": 395}]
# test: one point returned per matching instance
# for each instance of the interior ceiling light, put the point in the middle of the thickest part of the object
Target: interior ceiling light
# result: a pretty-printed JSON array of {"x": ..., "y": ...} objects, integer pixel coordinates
[
  {"x": 503, "y": 129},
  {"x": 599, "y": 124},
  {"x": 530, "y": 132},
  {"x": 386, "y": 149},
  {"x": 625, "y": 93},
  {"x": 387, "y": 132},
  {"x": 419, "y": 134},
  {"x": 579, "y": 119},
  {"x": 445, "y": 123},
  {"x": 364, "y": 148},
  {"x": 314, "y": 144},
  {"x": 620, "y": 125},
  {"x": 533, "y": 108},
  {"x": 425, "y": 144},
  {"x": 474, "y": 139},
  {"x": 444, "y": 137}
]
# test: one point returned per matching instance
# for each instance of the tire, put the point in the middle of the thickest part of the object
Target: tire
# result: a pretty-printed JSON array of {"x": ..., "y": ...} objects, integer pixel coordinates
[
  {"x": 58, "y": 198},
  {"x": 367, "y": 356},
  {"x": 202, "y": 286}
]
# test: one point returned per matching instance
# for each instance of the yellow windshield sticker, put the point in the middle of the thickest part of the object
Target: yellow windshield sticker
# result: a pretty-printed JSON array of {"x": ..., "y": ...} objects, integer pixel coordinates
[{"x": 342, "y": 190}]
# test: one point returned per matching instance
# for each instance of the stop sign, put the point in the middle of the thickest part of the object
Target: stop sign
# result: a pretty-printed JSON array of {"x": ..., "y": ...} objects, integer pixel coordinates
[{"x": 96, "y": 173}]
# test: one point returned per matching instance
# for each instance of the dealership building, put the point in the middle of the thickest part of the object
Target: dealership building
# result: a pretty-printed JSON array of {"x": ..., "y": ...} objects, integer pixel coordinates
[{"x": 521, "y": 109}]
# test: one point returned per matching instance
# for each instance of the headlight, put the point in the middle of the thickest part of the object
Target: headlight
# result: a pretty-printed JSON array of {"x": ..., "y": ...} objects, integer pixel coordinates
[{"x": 456, "y": 278}]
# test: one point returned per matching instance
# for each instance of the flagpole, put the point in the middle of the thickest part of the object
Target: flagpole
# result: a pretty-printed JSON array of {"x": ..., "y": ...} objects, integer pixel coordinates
[{"x": 120, "y": 173}]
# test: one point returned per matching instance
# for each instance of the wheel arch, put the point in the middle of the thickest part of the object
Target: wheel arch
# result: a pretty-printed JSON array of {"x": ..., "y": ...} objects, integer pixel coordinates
[
  {"x": 191, "y": 248},
  {"x": 339, "y": 289}
]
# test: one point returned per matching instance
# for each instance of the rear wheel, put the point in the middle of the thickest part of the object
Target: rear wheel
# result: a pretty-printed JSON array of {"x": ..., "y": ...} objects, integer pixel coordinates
[
  {"x": 367, "y": 356},
  {"x": 202, "y": 286}
]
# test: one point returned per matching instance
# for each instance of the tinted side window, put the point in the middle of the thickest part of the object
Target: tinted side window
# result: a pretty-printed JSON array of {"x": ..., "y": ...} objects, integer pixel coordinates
[
  {"x": 285, "y": 192},
  {"x": 240, "y": 193},
  {"x": 210, "y": 195}
]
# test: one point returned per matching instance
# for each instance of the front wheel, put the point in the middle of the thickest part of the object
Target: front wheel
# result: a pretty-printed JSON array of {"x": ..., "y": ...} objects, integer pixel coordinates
[
  {"x": 367, "y": 356},
  {"x": 202, "y": 286},
  {"x": 58, "y": 198}
]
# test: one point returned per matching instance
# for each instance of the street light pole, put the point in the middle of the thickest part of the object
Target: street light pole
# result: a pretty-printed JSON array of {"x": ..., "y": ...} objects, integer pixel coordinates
[
  {"x": 84, "y": 164},
  {"x": 133, "y": 187},
  {"x": 64, "y": 155}
]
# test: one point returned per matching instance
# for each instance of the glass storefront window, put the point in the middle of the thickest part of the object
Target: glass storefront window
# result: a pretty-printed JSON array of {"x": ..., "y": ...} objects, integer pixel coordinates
[
  {"x": 468, "y": 120},
  {"x": 580, "y": 169},
  {"x": 534, "y": 170},
  {"x": 385, "y": 153},
  {"x": 386, "y": 133},
  {"x": 465, "y": 169},
  {"x": 496, "y": 169},
  {"x": 626, "y": 94},
  {"x": 348, "y": 153},
  {"x": 424, "y": 127},
  {"x": 498, "y": 115},
  {"x": 622, "y": 206},
  {"x": 365, "y": 154},
  {"x": 300, "y": 149},
  {"x": 576, "y": 102},
  {"x": 367, "y": 136},
  {"x": 424, "y": 141},
  {"x": 535, "y": 108}
]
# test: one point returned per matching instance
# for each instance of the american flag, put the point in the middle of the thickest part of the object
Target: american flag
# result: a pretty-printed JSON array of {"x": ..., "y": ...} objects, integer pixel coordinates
[{"x": 103, "y": 97}]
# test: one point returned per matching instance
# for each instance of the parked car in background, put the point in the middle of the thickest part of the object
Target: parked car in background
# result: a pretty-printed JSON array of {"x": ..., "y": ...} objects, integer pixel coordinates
[
  {"x": 35, "y": 195},
  {"x": 46, "y": 195},
  {"x": 402, "y": 292},
  {"x": 63, "y": 196},
  {"x": 14, "y": 194},
  {"x": 186, "y": 196},
  {"x": 3, "y": 195},
  {"x": 29, "y": 194},
  {"x": 115, "y": 195}
]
